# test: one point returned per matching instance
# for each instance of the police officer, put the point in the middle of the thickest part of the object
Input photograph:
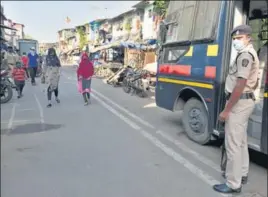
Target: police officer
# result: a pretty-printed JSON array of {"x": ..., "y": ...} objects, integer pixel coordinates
[
  {"x": 11, "y": 59},
  {"x": 239, "y": 87}
]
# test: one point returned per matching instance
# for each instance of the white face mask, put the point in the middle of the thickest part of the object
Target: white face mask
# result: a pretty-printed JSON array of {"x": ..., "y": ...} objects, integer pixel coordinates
[{"x": 238, "y": 45}]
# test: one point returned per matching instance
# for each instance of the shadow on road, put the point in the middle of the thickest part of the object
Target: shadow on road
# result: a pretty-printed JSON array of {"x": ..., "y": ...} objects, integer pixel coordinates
[{"x": 31, "y": 128}]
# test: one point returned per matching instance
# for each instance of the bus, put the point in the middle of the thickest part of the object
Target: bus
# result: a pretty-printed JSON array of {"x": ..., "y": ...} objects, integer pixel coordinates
[{"x": 193, "y": 59}]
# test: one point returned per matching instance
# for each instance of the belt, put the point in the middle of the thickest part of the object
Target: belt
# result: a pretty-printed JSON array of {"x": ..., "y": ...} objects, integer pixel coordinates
[{"x": 246, "y": 95}]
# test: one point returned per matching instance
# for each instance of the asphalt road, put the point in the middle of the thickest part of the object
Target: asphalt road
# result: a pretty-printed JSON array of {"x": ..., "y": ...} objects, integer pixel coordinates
[{"x": 119, "y": 146}]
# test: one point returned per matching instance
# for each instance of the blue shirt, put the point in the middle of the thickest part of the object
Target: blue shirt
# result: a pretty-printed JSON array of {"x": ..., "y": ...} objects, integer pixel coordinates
[{"x": 32, "y": 60}]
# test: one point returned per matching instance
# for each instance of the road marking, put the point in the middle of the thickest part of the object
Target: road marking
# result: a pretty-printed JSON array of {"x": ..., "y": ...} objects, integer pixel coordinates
[
  {"x": 169, "y": 151},
  {"x": 41, "y": 112},
  {"x": 180, "y": 145},
  {"x": 124, "y": 110},
  {"x": 150, "y": 105},
  {"x": 19, "y": 121},
  {"x": 183, "y": 147},
  {"x": 12, "y": 116}
]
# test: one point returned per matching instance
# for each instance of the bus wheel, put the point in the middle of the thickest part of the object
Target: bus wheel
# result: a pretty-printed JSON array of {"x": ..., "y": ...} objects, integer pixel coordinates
[{"x": 195, "y": 121}]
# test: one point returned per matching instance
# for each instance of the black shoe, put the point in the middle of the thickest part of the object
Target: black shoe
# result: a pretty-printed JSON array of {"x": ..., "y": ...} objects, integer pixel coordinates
[
  {"x": 19, "y": 96},
  {"x": 243, "y": 181},
  {"x": 57, "y": 100},
  {"x": 223, "y": 188},
  {"x": 49, "y": 105}
]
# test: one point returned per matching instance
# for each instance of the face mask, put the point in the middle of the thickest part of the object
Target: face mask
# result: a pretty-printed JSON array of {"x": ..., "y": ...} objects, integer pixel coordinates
[{"x": 238, "y": 45}]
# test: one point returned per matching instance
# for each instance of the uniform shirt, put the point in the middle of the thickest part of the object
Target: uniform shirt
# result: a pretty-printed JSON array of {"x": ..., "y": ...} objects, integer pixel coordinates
[
  {"x": 32, "y": 60},
  {"x": 11, "y": 59},
  {"x": 246, "y": 68},
  {"x": 18, "y": 74}
]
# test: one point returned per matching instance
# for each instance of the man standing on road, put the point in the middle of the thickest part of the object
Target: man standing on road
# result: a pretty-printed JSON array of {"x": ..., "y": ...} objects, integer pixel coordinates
[
  {"x": 239, "y": 87},
  {"x": 33, "y": 64},
  {"x": 11, "y": 60}
]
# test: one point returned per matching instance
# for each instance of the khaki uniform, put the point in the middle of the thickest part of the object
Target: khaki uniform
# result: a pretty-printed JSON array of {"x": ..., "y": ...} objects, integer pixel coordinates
[
  {"x": 237, "y": 122},
  {"x": 11, "y": 59}
]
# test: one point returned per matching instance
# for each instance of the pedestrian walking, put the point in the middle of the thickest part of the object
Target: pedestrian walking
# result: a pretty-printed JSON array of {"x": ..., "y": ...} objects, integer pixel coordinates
[
  {"x": 25, "y": 61},
  {"x": 33, "y": 64},
  {"x": 19, "y": 76},
  {"x": 85, "y": 72},
  {"x": 51, "y": 71},
  {"x": 239, "y": 87}
]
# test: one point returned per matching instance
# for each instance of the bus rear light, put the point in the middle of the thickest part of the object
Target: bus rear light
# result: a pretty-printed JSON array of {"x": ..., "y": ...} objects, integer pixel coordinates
[{"x": 210, "y": 72}]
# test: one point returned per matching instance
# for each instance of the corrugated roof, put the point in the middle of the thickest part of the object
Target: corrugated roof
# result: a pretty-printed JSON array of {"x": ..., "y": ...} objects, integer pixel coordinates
[{"x": 123, "y": 14}]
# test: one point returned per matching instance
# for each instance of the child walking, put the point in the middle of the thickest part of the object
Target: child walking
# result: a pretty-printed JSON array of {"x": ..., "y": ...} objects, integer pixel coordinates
[
  {"x": 85, "y": 72},
  {"x": 19, "y": 76}
]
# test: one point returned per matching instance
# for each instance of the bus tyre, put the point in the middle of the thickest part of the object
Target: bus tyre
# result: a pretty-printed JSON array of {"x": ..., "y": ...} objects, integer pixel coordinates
[{"x": 195, "y": 121}]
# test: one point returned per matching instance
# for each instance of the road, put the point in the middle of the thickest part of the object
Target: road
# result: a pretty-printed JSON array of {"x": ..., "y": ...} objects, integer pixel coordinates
[{"x": 119, "y": 146}]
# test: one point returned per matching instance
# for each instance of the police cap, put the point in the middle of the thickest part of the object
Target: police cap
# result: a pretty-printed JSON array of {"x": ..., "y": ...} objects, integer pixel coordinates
[{"x": 241, "y": 30}]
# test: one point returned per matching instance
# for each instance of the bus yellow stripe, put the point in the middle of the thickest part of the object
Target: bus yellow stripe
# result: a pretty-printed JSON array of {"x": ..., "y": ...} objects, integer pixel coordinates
[
  {"x": 212, "y": 50},
  {"x": 266, "y": 94},
  {"x": 189, "y": 83},
  {"x": 190, "y": 52}
]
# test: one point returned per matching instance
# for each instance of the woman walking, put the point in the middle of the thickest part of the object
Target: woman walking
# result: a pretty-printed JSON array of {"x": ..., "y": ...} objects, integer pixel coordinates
[
  {"x": 51, "y": 70},
  {"x": 85, "y": 72}
]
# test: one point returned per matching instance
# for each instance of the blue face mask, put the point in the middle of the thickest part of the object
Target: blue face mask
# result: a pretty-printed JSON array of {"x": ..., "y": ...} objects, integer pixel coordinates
[{"x": 238, "y": 45}]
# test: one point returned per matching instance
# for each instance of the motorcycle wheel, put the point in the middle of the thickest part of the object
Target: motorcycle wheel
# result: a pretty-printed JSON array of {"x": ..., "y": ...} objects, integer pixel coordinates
[
  {"x": 126, "y": 86},
  {"x": 5, "y": 99},
  {"x": 142, "y": 94}
]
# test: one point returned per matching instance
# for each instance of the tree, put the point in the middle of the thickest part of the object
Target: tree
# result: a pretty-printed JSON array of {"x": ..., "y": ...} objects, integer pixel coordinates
[
  {"x": 83, "y": 37},
  {"x": 160, "y": 7}
]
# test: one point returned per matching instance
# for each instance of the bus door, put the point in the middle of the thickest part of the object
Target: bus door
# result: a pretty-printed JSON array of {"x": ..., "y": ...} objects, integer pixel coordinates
[{"x": 264, "y": 134}]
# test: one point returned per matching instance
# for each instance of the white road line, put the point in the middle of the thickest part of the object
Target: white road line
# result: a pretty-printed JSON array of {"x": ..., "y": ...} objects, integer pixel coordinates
[
  {"x": 184, "y": 148},
  {"x": 19, "y": 121},
  {"x": 170, "y": 152},
  {"x": 41, "y": 112},
  {"x": 11, "y": 119},
  {"x": 124, "y": 110},
  {"x": 180, "y": 145}
]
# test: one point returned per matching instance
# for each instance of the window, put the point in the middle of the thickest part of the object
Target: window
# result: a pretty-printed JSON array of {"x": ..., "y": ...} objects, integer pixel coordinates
[
  {"x": 173, "y": 54},
  {"x": 195, "y": 20}
]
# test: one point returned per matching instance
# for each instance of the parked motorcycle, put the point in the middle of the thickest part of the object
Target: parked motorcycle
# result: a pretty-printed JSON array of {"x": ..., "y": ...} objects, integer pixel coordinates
[
  {"x": 6, "y": 92},
  {"x": 137, "y": 82}
]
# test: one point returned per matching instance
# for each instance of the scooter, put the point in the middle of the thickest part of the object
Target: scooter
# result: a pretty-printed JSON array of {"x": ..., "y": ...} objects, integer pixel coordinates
[{"x": 6, "y": 91}]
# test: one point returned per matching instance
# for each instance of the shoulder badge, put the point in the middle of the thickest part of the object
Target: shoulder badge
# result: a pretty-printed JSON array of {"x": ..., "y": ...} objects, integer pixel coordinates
[{"x": 245, "y": 62}]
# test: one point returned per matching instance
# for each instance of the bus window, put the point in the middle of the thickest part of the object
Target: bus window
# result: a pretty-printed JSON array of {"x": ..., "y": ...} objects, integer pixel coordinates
[
  {"x": 206, "y": 19},
  {"x": 203, "y": 14}
]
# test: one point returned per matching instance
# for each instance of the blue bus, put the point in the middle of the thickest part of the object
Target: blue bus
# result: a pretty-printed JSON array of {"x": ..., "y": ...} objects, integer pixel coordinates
[{"x": 193, "y": 60}]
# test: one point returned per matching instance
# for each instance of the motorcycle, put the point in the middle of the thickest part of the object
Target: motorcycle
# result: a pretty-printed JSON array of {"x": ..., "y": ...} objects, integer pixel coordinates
[
  {"x": 138, "y": 82},
  {"x": 6, "y": 91},
  {"x": 119, "y": 76}
]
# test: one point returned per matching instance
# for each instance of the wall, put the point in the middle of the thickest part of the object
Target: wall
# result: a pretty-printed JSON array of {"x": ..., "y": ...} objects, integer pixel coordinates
[{"x": 147, "y": 27}]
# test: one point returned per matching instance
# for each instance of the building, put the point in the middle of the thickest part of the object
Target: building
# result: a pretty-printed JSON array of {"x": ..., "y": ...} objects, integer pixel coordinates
[
  {"x": 7, "y": 32},
  {"x": 64, "y": 37},
  {"x": 148, "y": 25},
  {"x": 20, "y": 30},
  {"x": 43, "y": 47}
]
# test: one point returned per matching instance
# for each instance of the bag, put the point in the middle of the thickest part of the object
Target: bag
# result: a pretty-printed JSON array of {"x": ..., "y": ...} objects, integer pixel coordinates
[
  {"x": 43, "y": 79},
  {"x": 79, "y": 86}
]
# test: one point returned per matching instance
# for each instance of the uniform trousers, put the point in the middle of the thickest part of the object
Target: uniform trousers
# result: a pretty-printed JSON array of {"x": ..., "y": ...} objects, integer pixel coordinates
[{"x": 236, "y": 142}]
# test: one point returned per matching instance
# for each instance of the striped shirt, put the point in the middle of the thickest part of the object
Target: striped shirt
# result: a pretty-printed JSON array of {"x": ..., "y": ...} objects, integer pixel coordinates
[{"x": 18, "y": 74}]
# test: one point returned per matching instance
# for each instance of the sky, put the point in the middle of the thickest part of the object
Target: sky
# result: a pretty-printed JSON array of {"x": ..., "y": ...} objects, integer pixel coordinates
[{"x": 43, "y": 19}]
